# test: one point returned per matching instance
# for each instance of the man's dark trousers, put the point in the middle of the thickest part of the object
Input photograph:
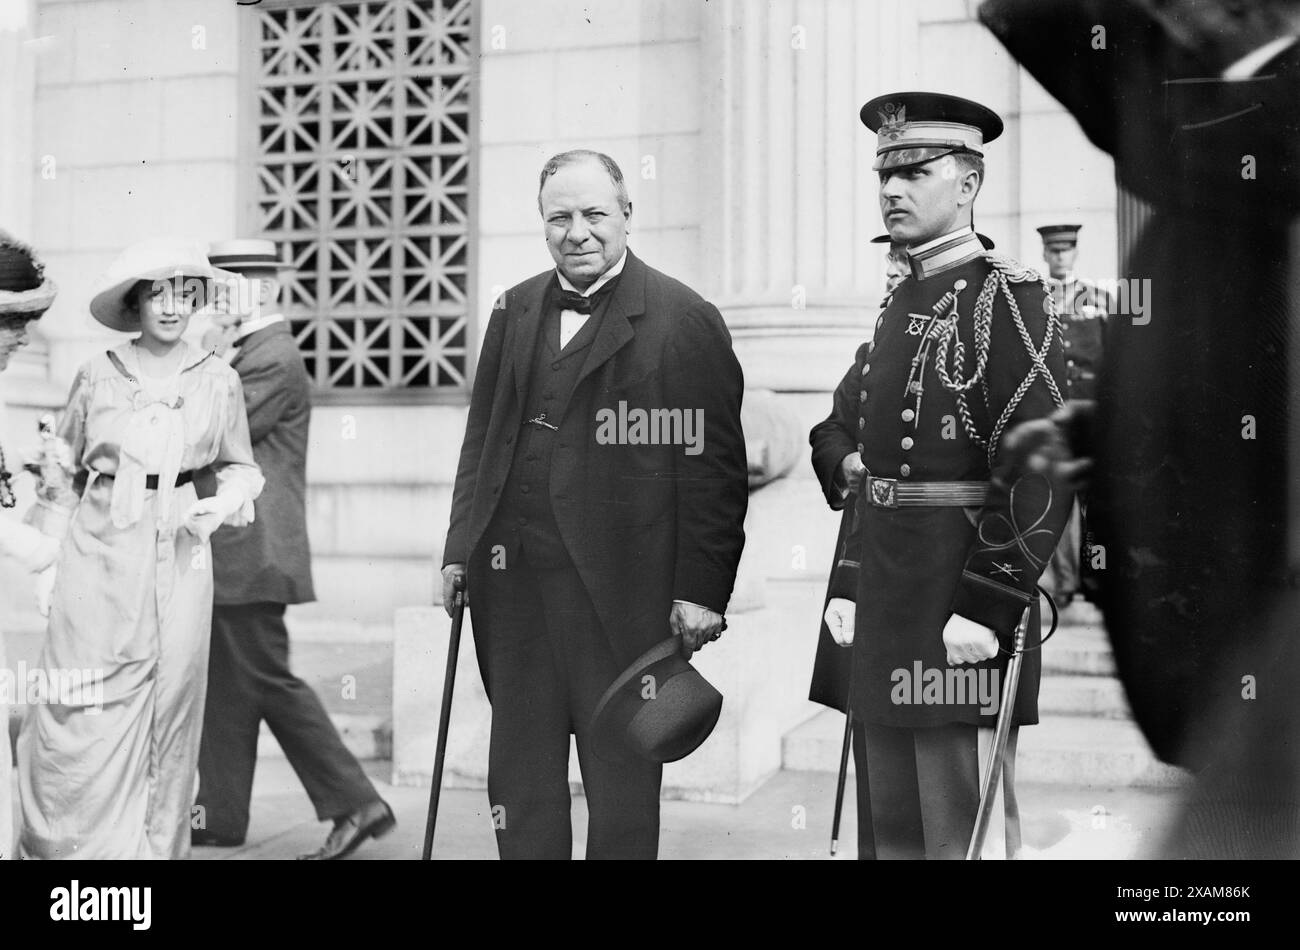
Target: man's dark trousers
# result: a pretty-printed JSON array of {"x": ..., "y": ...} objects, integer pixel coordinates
[
  {"x": 550, "y": 663},
  {"x": 248, "y": 681}
]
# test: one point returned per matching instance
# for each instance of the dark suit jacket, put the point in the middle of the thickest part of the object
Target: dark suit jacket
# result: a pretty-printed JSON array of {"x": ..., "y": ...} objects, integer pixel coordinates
[
  {"x": 1191, "y": 513},
  {"x": 270, "y": 559},
  {"x": 643, "y": 524}
]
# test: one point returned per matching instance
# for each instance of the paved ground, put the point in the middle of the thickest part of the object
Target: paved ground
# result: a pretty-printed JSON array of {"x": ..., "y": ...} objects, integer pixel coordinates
[{"x": 788, "y": 818}]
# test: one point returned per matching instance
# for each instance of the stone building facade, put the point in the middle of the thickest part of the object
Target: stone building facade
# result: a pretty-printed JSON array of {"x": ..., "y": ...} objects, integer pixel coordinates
[{"x": 392, "y": 148}]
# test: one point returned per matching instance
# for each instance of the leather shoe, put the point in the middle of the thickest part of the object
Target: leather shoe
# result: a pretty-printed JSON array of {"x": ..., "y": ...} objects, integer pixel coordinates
[{"x": 351, "y": 831}]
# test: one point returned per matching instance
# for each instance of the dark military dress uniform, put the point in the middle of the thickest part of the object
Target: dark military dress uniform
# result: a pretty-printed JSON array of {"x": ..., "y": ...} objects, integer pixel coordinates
[
  {"x": 966, "y": 348},
  {"x": 1082, "y": 307},
  {"x": 1083, "y": 329},
  {"x": 935, "y": 532}
]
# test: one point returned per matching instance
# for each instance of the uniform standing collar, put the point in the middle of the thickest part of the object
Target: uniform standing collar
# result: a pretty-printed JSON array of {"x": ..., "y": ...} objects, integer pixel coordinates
[{"x": 944, "y": 253}]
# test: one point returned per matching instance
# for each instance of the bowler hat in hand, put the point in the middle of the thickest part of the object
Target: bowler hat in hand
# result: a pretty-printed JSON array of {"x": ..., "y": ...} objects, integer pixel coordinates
[{"x": 660, "y": 709}]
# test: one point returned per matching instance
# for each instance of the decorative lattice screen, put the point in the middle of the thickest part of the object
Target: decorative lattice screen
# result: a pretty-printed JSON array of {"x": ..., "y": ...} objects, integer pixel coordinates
[{"x": 362, "y": 172}]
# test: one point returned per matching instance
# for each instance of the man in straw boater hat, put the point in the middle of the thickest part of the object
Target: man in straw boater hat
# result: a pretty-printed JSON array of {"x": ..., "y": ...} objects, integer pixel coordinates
[
  {"x": 948, "y": 543},
  {"x": 260, "y": 569},
  {"x": 25, "y": 294}
]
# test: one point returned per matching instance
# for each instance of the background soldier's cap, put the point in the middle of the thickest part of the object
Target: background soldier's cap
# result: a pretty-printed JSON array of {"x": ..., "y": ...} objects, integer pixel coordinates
[
  {"x": 660, "y": 709},
  {"x": 1067, "y": 234},
  {"x": 917, "y": 127},
  {"x": 984, "y": 239},
  {"x": 246, "y": 254}
]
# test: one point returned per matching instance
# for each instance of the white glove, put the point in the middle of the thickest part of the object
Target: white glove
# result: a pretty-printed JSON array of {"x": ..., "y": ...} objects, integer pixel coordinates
[
  {"x": 208, "y": 514},
  {"x": 839, "y": 618},
  {"x": 45, "y": 588},
  {"x": 967, "y": 641},
  {"x": 852, "y": 470}
]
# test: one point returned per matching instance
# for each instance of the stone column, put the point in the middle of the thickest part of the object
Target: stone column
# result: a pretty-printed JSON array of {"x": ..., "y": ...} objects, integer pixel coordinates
[{"x": 792, "y": 198}]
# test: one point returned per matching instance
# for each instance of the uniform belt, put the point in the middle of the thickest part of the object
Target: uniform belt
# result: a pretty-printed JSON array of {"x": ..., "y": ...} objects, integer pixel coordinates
[
  {"x": 151, "y": 481},
  {"x": 891, "y": 493}
]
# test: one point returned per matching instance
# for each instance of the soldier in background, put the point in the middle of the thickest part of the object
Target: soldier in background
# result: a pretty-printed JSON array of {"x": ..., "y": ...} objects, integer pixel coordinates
[{"x": 1082, "y": 307}]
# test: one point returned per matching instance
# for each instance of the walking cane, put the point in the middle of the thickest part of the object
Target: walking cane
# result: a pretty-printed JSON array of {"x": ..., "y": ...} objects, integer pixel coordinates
[
  {"x": 444, "y": 720},
  {"x": 988, "y": 794},
  {"x": 844, "y": 774}
]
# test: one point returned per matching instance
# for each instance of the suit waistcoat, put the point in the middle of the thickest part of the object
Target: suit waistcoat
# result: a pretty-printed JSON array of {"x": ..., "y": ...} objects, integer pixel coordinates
[{"x": 525, "y": 520}]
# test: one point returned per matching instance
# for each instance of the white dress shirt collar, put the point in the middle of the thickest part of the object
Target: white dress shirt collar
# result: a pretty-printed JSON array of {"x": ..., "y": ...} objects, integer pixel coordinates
[{"x": 600, "y": 282}]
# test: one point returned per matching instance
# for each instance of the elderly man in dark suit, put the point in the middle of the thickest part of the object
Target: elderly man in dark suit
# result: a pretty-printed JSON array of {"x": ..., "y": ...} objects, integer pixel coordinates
[
  {"x": 585, "y": 543},
  {"x": 259, "y": 569}
]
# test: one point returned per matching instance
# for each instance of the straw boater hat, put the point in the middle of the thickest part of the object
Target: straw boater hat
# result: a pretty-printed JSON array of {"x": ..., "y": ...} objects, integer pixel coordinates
[
  {"x": 247, "y": 254},
  {"x": 25, "y": 291},
  {"x": 154, "y": 259}
]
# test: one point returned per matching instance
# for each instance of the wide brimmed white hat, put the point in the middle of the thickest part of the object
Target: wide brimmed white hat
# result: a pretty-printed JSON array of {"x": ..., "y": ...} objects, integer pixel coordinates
[{"x": 153, "y": 259}]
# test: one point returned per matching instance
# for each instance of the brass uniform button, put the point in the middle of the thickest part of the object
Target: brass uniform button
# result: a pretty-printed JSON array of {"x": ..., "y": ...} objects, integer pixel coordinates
[
  {"x": 907, "y": 442},
  {"x": 908, "y": 415},
  {"x": 905, "y": 470}
]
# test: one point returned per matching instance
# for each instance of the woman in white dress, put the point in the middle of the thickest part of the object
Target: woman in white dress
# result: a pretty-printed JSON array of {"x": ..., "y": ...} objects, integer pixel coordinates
[
  {"x": 111, "y": 773},
  {"x": 25, "y": 294}
]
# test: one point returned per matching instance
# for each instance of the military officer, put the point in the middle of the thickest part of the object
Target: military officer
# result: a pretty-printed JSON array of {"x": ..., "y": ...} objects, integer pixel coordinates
[
  {"x": 1082, "y": 307},
  {"x": 947, "y": 545}
]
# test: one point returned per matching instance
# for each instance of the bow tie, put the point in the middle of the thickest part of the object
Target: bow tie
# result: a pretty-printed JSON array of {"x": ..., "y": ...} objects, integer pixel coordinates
[{"x": 571, "y": 300}]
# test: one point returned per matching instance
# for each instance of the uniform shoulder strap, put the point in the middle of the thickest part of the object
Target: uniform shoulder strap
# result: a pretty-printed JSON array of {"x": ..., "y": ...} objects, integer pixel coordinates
[{"x": 1014, "y": 271}]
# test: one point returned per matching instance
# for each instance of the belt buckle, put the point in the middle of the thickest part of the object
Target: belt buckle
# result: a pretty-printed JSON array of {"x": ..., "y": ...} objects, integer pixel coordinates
[{"x": 882, "y": 492}]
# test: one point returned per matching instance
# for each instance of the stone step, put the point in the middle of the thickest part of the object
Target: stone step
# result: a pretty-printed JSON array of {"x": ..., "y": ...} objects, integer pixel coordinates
[
  {"x": 1081, "y": 651},
  {"x": 1082, "y": 750},
  {"x": 1075, "y": 695},
  {"x": 1068, "y": 750}
]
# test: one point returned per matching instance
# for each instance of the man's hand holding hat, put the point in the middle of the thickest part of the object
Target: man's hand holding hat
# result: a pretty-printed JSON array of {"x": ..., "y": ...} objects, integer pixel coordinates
[{"x": 696, "y": 625}]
